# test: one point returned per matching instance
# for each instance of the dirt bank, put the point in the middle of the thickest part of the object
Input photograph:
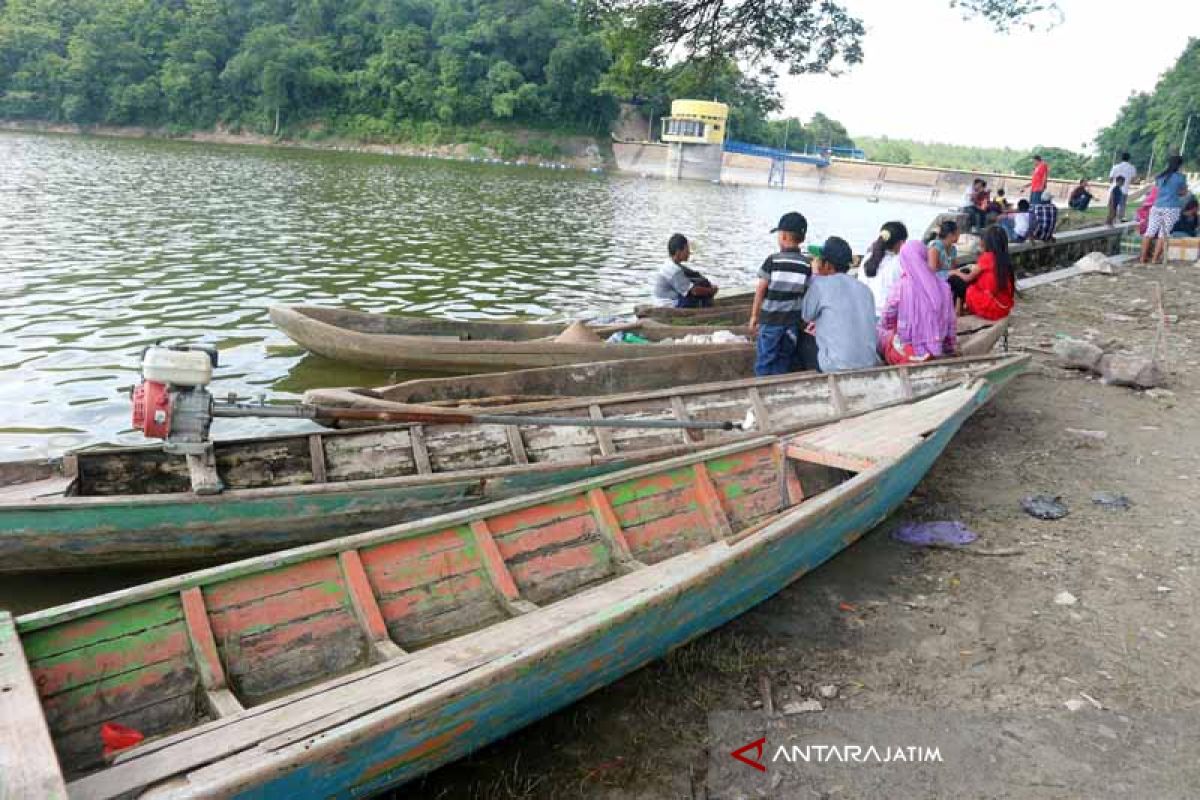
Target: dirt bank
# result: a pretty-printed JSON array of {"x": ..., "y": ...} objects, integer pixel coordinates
[
  {"x": 576, "y": 152},
  {"x": 897, "y": 628}
]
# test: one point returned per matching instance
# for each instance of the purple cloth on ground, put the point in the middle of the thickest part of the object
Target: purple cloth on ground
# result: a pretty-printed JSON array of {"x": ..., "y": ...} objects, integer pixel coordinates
[{"x": 923, "y": 534}]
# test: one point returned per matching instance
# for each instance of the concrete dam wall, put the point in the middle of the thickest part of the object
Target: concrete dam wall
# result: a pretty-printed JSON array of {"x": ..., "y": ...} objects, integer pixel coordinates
[{"x": 933, "y": 185}]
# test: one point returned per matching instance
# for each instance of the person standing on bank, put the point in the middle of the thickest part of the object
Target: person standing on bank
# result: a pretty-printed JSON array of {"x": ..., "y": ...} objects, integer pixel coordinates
[
  {"x": 782, "y": 281},
  {"x": 1116, "y": 200},
  {"x": 1172, "y": 192},
  {"x": 1123, "y": 169},
  {"x": 676, "y": 286},
  {"x": 841, "y": 313},
  {"x": 1037, "y": 181}
]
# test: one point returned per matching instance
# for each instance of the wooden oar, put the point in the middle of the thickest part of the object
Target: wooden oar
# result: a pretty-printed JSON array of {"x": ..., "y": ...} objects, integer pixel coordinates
[{"x": 460, "y": 418}]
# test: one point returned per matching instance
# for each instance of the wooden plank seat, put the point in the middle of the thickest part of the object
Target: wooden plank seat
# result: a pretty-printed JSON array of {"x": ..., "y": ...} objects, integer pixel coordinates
[{"x": 881, "y": 436}]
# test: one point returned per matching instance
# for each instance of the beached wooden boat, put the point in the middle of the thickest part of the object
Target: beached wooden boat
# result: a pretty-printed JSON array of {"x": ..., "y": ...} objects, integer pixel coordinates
[
  {"x": 121, "y": 506},
  {"x": 383, "y": 341},
  {"x": 978, "y": 336},
  {"x": 548, "y": 383},
  {"x": 340, "y": 669}
]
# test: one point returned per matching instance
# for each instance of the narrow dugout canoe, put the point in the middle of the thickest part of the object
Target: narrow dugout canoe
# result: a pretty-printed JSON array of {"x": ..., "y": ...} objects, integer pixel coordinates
[
  {"x": 381, "y": 341},
  {"x": 976, "y": 336},
  {"x": 341, "y": 669},
  {"x": 548, "y": 383},
  {"x": 726, "y": 315},
  {"x": 130, "y": 506}
]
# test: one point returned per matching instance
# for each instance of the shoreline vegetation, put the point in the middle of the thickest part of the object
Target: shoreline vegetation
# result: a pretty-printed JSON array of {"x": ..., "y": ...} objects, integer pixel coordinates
[{"x": 465, "y": 143}]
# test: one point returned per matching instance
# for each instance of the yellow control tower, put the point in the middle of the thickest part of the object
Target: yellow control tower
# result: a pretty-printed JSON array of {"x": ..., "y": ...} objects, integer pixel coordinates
[{"x": 696, "y": 132}]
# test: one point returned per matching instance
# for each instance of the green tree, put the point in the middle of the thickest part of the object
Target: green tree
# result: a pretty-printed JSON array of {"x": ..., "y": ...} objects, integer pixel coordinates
[
  {"x": 1151, "y": 125},
  {"x": 275, "y": 71},
  {"x": 1063, "y": 163}
]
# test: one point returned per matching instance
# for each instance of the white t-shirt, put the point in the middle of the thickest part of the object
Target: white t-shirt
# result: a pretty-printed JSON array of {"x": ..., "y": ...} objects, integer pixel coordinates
[
  {"x": 1124, "y": 169},
  {"x": 885, "y": 278},
  {"x": 670, "y": 284},
  {"x": 1021, "y": 223}
]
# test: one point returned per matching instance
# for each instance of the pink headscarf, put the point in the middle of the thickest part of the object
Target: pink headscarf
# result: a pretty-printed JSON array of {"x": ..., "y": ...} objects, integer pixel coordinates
[{"x": 926, "y": 310}]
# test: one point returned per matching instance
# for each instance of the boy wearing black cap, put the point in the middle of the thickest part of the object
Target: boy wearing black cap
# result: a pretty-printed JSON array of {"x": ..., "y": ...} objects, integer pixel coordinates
[
  {"x": 841, "y": 311},
  {"x": 775, "y": 316}
]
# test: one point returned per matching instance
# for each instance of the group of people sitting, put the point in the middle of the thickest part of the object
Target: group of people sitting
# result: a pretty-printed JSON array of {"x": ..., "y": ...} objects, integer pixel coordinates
[
  {"x": 809, "y": 312},
  {"x": 1035, "y": 219}
]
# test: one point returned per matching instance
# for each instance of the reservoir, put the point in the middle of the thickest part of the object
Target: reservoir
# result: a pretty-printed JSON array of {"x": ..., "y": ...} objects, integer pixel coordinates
[{"x": 108, "y": 245}]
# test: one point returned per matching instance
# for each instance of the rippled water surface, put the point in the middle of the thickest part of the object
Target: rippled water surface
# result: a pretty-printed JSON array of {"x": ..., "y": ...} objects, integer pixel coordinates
[{"x": 107, "y": 245}]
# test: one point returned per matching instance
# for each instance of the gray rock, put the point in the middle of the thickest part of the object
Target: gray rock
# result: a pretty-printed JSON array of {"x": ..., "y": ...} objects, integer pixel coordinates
[
  {"x": 802, "y": 707},
  {"x": 1065, "y": 598},
  {"x": 1095, "y": 262},
  {"x": 828, "y": 691},
  {"x": 1078, "y": 354},
  {"x": 1112, "y": 501},
  {"x": 1135, "y": 371}
]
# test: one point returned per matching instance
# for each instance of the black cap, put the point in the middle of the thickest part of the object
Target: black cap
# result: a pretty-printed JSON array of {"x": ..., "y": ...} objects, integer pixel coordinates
[
  {"x": 792, "y": 222},
  {"x": 837, "y": 252}
]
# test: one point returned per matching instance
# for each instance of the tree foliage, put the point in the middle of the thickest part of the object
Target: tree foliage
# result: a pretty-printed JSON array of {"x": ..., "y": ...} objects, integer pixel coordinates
[
  {"x": 374, "y": 67},
  {"x": 264, "y": 64},
  {"x": 1153, "y": 125}
]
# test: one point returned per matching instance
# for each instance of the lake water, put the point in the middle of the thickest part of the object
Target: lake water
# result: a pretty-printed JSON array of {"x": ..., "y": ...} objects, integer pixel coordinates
[{"x": 108, "y": 245}]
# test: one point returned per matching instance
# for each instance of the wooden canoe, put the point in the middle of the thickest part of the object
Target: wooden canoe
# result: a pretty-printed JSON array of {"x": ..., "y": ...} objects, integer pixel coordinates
[
  {"x": 381, "y": 341},
  {"x": 977, "y": 336},
  {"x": 344, "y": 668},
  {"x": 124, "y": 506},
  {"x": 548, "y": 383}
]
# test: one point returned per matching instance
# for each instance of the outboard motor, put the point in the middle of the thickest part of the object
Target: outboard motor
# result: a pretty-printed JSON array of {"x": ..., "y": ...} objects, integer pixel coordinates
[{"x": 173, "y": 403}]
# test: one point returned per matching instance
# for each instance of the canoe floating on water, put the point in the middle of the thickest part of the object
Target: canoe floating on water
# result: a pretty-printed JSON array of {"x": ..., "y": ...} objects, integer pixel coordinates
[
  {"x": 381, "y": 341},
  {"x": 547, "y": 383},
  {"x": 125, "y": 506},
  {"x": 344, "y": 668}
]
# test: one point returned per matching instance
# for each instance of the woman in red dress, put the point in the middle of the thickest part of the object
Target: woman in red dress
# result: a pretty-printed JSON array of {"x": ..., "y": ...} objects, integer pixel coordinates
[{"x": 986, "y": 288}]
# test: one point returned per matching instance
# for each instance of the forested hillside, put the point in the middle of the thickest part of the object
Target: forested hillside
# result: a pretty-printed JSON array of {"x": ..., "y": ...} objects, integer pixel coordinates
[
  {"x": 1155, "y": 122},
  {"x": 265, "y": 64},
  {"x": 371, "y": 69}
]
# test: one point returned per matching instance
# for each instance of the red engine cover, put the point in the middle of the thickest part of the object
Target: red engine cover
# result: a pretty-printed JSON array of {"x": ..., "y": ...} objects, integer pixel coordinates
[{"x": 152, "y": 409}]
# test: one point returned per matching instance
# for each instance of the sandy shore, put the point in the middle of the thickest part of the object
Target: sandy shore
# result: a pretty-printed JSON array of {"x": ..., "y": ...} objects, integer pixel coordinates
[{"x": 893, "y": 627}]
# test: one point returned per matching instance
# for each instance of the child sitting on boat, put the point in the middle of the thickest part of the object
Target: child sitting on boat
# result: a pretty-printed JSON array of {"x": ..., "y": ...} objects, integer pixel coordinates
[
  {"x": 677, "y": 286},
  {"x": 840, "y": 311}
]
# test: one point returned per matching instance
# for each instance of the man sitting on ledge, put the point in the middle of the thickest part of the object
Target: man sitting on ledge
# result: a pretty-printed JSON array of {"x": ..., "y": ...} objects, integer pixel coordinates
[
  {"x": 1080, "y": 196},
  {"x": 677, "y": 286},
  {"x": 1043, "y": 219}
]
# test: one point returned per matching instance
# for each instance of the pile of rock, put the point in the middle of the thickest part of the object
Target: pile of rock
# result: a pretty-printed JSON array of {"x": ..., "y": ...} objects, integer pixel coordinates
[{"x": 1114, "y": 368}]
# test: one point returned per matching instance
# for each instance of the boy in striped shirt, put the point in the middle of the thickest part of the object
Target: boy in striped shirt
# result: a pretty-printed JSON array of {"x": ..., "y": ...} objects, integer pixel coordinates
[{"x": 778, "y": 299}]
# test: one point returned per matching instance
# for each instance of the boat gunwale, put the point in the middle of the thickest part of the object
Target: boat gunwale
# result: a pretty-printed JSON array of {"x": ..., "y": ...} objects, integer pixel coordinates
[
  {"x": 45, "y": 618},
  {"x": 290, "y": 317},
  {"x": 467, "y": 476}
]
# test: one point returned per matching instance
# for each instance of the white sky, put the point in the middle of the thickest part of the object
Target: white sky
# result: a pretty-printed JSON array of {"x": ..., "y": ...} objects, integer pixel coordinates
[{"x": 929, "y": 75}]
